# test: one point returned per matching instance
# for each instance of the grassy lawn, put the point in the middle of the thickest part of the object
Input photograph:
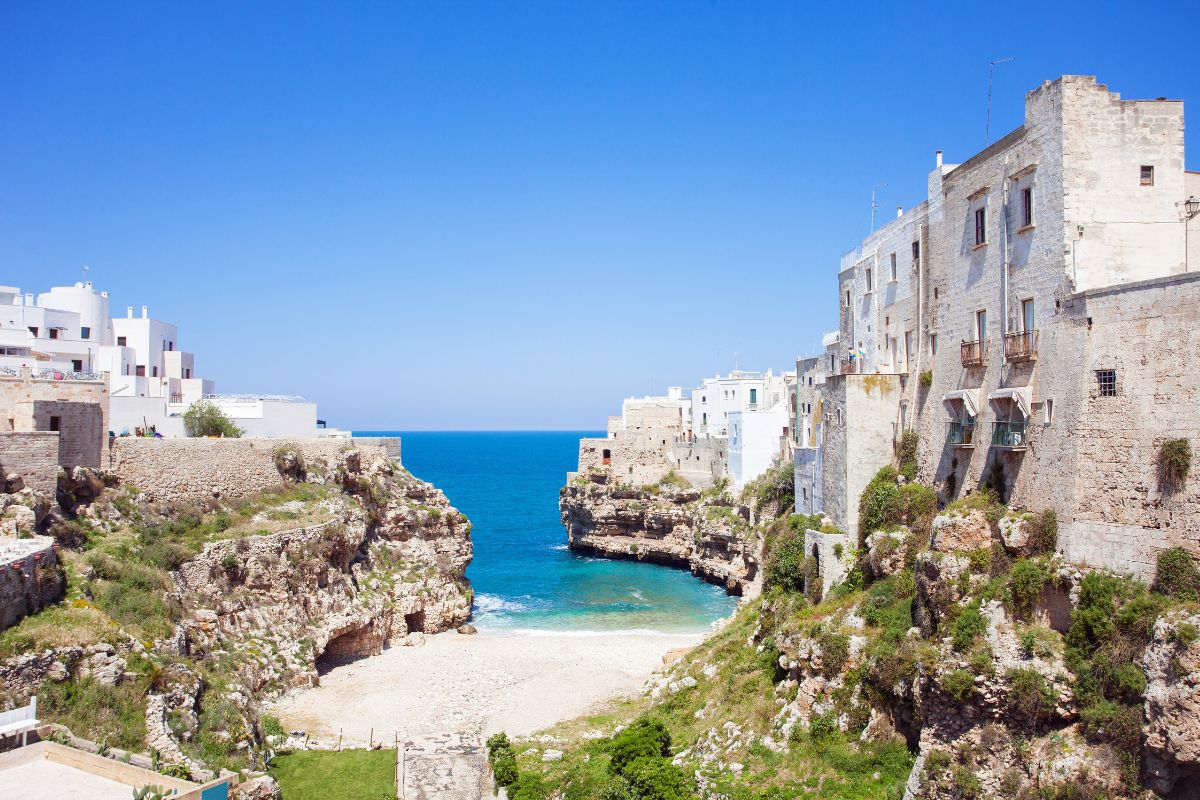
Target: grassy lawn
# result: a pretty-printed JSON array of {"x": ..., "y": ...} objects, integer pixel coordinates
[{"x": 345, "y": 775}]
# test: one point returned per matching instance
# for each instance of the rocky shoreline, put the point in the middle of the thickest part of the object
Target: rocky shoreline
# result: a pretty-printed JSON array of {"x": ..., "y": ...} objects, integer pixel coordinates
[{"x": 704, "y": 532}]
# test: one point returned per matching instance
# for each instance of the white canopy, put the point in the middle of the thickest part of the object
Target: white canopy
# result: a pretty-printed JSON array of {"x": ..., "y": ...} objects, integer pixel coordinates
[
  {"x": 968, "y": 397},
  {"x": 1021, "y": 395}
]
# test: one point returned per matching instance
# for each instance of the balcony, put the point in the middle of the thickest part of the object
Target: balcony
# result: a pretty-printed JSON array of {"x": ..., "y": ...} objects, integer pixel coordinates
[
  {"x": 851, "y": 366},
  {"x": 961, "y": 434},
  {"x": 1009, "y": 435},
  {"x": 1021, "y": 346},
  {"x": 974, "y": 354}
]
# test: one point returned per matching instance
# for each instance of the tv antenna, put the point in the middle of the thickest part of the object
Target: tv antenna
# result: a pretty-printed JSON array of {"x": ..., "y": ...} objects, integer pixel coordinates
[
  {"x": 875, "y": 203},
  {"x": 987, "y": 129},
  {"x": 85, "y": 272}
]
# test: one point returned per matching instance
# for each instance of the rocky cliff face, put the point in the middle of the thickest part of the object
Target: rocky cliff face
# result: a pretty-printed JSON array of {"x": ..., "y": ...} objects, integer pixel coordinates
[
  {"x": 339, "y": 562},
  {"x": 663, "y": 524}
]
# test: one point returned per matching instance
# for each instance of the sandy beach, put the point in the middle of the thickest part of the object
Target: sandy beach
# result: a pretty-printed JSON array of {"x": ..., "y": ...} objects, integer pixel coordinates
[{"x": 476, "y": 685}]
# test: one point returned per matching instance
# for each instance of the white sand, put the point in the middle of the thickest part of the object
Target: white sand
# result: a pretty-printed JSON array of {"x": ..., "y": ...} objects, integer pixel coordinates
[{"x": 476, "y": 685}]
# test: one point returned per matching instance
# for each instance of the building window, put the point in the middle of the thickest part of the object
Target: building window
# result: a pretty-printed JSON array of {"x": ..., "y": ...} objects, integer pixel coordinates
[
  {"x": 154, "y": 372},
  {"x": 933, "y": 343},
  {"x": 1106, "y": 379},
  {"x": 56, "y": 423},
  {"x": 1147, "y": 175},
  {"x": 868, "y": 279},
  {"x": 85, "y": 333},
  {"x": 187, "y": 373},
  {"x": 981, "y": 225},
  {"x": 77, "y": 365},
  {"x": 1027, "y": 206},
  {"x": 120, "y": 341},
  {"x": 1048, "y": 411},
  {"x": 916, "y": 251},
  {"x": 893, "y": 266},
  {"x": 753, "y": 396},
  {"x": 140, "y": 371},
  {"x": 981, "y": 325},
  {"x": 53, "y": 333},
  {"x": 33, "y": 329}
]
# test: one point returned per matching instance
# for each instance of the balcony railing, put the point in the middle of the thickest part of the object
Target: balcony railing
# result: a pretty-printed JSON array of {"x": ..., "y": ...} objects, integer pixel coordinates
[
  {"x": 1009, "y": 435},
  {"x": 1021, "y": 346},
  {"x": 974, "y": 354},
  {"x": 961, "y": 434},
  {"x": 176, "y": 397},
  {"x": 851, "y": 366}
]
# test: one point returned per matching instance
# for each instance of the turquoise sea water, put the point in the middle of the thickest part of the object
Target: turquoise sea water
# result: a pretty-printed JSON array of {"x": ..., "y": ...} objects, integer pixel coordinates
[{"x": 524, "y": 577}]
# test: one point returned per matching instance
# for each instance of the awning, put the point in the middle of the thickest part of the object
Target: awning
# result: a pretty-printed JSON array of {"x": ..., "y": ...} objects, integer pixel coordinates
[
  {"x": 1021, "y": 395},
  {"x": 968, "y": 397}
]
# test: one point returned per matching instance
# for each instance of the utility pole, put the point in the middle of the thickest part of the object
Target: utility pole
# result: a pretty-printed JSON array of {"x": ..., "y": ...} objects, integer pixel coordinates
[{"x": 987, "y": 131}]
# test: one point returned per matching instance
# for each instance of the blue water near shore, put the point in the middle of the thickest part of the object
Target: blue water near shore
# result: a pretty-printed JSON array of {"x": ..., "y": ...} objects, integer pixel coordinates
[{"x": 524, "y": 577}]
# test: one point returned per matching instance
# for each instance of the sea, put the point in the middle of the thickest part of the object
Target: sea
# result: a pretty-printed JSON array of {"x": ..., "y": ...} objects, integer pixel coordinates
[{"x": 524, "y": 577}]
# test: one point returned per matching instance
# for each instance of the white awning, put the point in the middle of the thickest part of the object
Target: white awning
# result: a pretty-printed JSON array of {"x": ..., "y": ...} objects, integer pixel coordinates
[
  {"x": 1021, "y": 395},
  {"x": 831, "y": 338},
  {"x": 968, "y": 397}
]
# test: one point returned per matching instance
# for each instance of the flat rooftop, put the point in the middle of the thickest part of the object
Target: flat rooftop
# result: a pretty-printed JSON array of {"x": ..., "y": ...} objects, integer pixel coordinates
[{"x": 43, "y": 779}]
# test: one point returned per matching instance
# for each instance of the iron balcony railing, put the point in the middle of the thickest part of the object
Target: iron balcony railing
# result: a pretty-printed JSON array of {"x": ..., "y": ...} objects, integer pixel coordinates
[
  {"x": 1021, "y": 346},
  {"x": 974, "y": 354},
  {"x": 961, "y": 434},
  {"x": 66, "y": 375},
  {"x": 1010, "y": 435}
]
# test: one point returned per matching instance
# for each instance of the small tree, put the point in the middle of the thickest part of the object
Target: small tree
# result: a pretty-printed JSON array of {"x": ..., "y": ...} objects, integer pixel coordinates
[
  {"x": 205, "y": 419},
  {"x": 1174, "y": 463}
]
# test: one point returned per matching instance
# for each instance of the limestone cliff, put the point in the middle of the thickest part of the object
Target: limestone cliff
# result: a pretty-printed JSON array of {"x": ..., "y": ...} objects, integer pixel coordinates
[
  {"x": 664, "y": 524},
  {"x": 197, "y": 611}
]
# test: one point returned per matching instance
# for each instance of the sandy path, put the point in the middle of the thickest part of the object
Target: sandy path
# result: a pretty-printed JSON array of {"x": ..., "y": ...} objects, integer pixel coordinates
[{"x": 516, "y": 682}]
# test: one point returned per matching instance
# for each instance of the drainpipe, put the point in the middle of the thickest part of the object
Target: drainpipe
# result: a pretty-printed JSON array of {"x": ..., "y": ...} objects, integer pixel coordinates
[
  {"x": 920, "y": 317},
  {"x": 1004, "y": 248}
]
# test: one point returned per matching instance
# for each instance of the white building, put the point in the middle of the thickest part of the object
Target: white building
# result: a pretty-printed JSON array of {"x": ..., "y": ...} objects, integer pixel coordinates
[
  {"x": 717, "y": 397},
  {"x": 151, "y": 381}
]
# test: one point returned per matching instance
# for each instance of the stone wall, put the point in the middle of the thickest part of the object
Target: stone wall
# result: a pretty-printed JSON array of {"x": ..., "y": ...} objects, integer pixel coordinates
[
  {"x": 30, "y": 577},
  {"x": 195, "y": 469},
  {"x": 33, "y": 456},
  {"x": 78, "y": 408},
  {"x": 702, "y": 462}
]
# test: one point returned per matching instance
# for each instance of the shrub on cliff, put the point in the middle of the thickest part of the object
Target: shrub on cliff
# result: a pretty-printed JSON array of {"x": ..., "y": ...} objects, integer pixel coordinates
[
  {"x": 1174, "y": 463},
  {"x": 206, "y": 419},
  {"x": 785, "y": 562},
  {"x": 775, "y": 486},
  {"x": 1177, "y": 575},
  {"x": 643, "y": 739},
  {"x": 906, "y": 454},
  {"x": 1030, "y": 699},
  {"x": 880, "y": 506},
  {"x": 656, "y": 779}
]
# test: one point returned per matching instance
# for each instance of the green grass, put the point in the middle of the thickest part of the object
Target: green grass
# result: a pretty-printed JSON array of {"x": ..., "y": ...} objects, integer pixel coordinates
[{"x": 344, "y": 775}]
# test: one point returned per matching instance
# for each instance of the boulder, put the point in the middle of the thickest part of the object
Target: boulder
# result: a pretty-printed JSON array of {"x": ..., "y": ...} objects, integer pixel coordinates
[
  {"x": 885, "y": 552},
  {"x": 1014, "y": 534},
  {"x": 263, "y": 787},
  {"x": 467, "y": 629},
  {"x": 959, "y": 532}
]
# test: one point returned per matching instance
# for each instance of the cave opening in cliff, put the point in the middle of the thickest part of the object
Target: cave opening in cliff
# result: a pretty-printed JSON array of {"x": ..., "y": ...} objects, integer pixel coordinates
[
  {"x": 348, "y": 647},
  {"x": 415, "y": 622}
]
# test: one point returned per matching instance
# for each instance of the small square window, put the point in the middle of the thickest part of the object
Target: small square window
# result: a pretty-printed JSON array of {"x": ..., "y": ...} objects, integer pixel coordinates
[
  {"x": 85, "y": 333},
  {"x": 1106, "y": 379},
  {"x": 1147, "y": 175},
  {"x": 121, "y": 341}
]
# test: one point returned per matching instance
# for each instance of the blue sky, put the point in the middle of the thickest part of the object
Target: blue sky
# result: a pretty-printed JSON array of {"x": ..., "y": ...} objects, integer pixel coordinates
[{"x": 505, "y": 215}]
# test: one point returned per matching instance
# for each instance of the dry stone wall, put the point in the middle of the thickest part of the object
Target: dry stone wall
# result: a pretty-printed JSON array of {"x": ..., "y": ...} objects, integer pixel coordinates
[
  {"x": 197, "y": 469},
  {"x": 34, "y": 457}
]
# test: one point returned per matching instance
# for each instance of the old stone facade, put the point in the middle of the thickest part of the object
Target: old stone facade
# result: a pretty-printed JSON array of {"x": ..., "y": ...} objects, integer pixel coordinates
[
  {"x": 1034, "y": 320},
  {"x": 33, "y": 457},
  {"x": 54, "y": 402}
]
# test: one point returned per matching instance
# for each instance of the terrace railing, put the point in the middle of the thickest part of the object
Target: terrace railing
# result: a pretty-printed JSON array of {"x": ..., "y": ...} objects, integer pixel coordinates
[
  {"x": 960, "y": 434},
  {"x": 974, "y": 354},
  {"x": 1010, "y": 435},
  {"x": 1021, "y": 346}
]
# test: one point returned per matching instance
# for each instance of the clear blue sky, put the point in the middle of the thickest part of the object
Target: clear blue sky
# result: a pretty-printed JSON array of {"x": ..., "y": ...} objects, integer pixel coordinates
[{"x": 505, "y": 215}]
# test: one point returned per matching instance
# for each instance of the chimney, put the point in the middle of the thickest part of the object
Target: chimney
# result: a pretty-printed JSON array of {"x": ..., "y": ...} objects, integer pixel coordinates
[
  {"x": 29, "y": 300},
  {"x": 129, "y": 312},
  {"x": 899, "y": 211},
  {"x": 939, "y": 158},
  {"x": 145, "y": 312}
]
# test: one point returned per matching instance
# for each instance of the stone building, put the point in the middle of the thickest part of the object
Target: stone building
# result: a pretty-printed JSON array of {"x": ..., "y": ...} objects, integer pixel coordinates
[
  {"x": 49, "y": 420},
  {"x": 1033, "y": 320}
]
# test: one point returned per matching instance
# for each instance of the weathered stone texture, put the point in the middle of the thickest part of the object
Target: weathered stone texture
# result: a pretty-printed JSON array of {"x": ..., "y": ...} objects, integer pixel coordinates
[
  {"x": 34, "y": 457},
  {"x": 30, "y": 577},
  {"x": 196, "y": 469}
]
